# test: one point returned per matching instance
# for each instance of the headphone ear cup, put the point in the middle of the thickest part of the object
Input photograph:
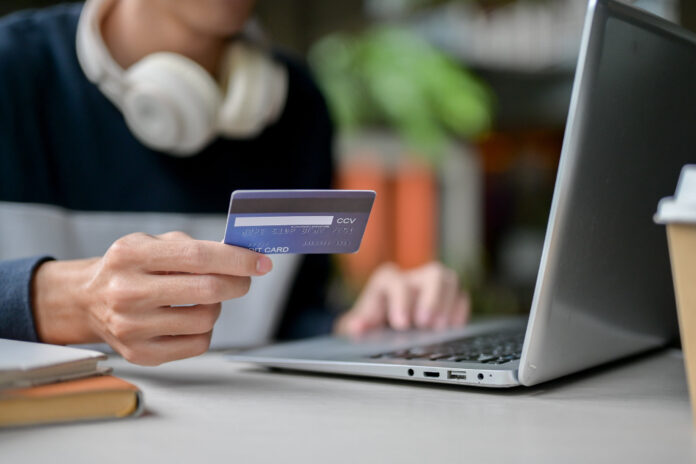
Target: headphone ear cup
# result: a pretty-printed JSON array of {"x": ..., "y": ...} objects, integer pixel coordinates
[
  {"x": 256, "y": 90},
  {"x": 171, "y": 103}
]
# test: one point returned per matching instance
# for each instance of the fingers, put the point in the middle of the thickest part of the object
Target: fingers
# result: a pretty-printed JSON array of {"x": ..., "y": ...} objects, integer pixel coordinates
[
  {"x": 427, "y": 297},
  {"x": 176, "y": 252},
  {"x": 356, "y": 323},
  {"x": 369, "y": 313},
  {"x": 461, "y": 312},
  {"x": 174, "y": 235},
  {"x": 205, "y": 257},
  {"x": 438, "y": 287},
  {"x": 390, "y": 298},
  {"x": 163, "y": 335},
  {"x": 180, "y": 347},
  {"x": 386, "y": 300},
  {"x": 191, "y": 320},
  {"x": 187, "y": 289},
  {"x": 399, "y": 302},
  {"x": 130, "y": 292},
  {"x": 165, "y": 321},
  {"x": 155, "y": 351}
]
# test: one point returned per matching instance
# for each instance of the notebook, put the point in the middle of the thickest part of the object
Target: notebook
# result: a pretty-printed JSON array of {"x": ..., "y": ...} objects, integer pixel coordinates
[
  {"x": 93, "y": 398},
  {"x": 23, "y": 364}
]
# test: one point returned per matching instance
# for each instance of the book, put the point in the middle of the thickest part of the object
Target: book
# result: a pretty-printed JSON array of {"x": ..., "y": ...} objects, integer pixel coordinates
[
  {"x": 93, "y": 398},
  {"x": 24, "y": 364}
]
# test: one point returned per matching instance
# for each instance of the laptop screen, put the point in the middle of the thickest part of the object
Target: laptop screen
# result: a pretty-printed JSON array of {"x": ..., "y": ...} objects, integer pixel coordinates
[{"x": 605, "y": 288}]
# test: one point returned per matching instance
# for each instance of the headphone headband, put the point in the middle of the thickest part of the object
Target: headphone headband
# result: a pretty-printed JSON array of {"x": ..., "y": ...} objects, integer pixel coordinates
[
  {"x": 171, "y": 103},
  {"x": 92, "y": 53}
]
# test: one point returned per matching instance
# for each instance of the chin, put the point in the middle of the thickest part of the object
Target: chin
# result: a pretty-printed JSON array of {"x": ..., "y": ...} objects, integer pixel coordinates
[{"x": 215, "y": 17}]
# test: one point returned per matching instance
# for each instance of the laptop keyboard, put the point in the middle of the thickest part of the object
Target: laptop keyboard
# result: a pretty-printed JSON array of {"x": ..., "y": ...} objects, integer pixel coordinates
[{"x": 493, "y": 348}]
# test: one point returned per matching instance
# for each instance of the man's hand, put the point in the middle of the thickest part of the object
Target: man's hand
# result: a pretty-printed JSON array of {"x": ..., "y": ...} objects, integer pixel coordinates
[
  {"x": 125, "y": 298},
  {"x": 427, "y": 297}
]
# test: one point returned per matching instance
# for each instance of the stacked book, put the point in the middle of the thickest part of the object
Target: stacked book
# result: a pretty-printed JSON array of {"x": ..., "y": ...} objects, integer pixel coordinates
[{"x": 42, "y": 384}]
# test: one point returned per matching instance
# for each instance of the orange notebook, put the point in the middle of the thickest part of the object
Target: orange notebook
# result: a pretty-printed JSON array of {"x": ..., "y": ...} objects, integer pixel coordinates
[{"x": 93, "y": 398}]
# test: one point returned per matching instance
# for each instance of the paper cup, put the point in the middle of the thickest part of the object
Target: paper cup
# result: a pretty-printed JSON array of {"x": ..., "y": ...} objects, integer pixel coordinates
[{"x": 679, "y": 214}]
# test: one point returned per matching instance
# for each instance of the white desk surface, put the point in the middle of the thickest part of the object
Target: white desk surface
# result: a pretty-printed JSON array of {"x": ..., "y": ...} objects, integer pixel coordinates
[{"x": 208, "y": 410}]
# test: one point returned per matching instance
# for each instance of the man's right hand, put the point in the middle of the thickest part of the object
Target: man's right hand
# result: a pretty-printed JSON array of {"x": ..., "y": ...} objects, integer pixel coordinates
[{"x": 126, "y": 297}]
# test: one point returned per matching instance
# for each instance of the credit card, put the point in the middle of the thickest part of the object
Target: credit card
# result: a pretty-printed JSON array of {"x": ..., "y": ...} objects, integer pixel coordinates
[{"x": 298, "y": 221}]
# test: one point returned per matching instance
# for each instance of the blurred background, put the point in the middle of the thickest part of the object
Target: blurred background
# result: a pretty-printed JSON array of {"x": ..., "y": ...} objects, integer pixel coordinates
[{"x": 453, "y": 111}]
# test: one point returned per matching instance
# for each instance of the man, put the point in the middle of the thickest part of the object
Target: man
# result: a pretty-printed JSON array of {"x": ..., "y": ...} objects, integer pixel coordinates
[{"x": 74, "y": 166}]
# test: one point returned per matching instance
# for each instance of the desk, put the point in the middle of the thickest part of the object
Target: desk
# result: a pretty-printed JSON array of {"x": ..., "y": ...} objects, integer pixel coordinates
[{"x": 208, "y": 410}]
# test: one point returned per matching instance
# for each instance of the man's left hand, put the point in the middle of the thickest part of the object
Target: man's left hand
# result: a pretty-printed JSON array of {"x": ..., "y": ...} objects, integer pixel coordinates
[{"x": 427, "y": 297}]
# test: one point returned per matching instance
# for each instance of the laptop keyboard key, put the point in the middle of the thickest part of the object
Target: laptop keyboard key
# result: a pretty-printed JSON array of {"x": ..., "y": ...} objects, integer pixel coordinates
[{"x": 497, "y": 348}]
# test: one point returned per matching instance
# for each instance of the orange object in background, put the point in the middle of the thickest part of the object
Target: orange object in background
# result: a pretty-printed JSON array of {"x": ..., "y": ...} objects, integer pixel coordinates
[
  {"x": 375, "y": 247},
  {"x": 416, "y": 214},
  {"x": 501, "y": 151},
  {"x": 403, "y": 223}
]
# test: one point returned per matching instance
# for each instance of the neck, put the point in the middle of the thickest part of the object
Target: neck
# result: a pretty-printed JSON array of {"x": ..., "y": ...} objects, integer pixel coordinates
[{"x": 133, "y": 29}]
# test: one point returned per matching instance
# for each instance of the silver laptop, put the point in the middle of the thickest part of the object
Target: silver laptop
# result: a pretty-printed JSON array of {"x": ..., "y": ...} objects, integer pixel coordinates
[{"x": 604, "y": 288}]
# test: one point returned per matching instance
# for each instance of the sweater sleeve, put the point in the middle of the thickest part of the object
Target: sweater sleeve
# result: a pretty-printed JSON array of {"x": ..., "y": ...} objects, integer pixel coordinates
[{"x": 16, "y": 317}]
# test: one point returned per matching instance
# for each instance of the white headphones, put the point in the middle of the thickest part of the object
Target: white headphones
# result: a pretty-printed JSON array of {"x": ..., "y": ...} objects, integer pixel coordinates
[{"x": 171, "y": 103}]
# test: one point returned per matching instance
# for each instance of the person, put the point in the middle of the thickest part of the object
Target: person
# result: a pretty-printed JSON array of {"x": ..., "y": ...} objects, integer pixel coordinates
[{"x": 144, "y": 115}]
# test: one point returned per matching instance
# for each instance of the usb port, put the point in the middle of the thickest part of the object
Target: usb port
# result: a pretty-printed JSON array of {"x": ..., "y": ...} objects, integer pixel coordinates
[
  {"x": 431, "y": 374},
  {"x": 456, "y": 375}
]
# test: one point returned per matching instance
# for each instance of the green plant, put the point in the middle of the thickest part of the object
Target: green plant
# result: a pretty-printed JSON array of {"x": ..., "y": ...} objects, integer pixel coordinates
[{"x": 389, "y": 76}]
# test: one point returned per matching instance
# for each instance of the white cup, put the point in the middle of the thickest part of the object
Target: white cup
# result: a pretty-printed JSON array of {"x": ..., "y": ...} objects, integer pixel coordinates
[{"x": 679, "y": 214}]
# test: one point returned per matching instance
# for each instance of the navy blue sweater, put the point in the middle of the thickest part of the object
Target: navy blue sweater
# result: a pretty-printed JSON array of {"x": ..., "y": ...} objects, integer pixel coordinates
[{"x": 63, "y": 143}]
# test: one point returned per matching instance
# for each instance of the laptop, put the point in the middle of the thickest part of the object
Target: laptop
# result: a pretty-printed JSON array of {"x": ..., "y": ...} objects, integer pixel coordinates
[{"x": 604, "y": 288}]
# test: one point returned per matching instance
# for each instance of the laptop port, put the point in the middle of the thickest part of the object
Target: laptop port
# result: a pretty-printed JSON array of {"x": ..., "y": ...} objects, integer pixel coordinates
[
  {"x": 456, "y": 375},
  {"x": 431, "y": 374}
]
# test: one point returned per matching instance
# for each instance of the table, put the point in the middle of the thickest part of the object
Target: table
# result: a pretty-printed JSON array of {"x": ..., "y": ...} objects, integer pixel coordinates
[{"x": 209, "y": 410}]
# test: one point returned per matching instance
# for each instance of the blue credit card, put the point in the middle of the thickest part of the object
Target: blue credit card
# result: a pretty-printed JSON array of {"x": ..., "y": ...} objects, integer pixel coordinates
[{"x": 298, "y": 221}]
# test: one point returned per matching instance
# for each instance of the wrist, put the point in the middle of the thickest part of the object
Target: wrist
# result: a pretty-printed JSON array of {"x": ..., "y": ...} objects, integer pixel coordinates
[{"x": 59, "y": 302}]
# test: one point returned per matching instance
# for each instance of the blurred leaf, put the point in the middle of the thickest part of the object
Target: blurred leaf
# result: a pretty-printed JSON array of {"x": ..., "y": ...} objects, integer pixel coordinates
[{"x": 391, "y": 77}]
